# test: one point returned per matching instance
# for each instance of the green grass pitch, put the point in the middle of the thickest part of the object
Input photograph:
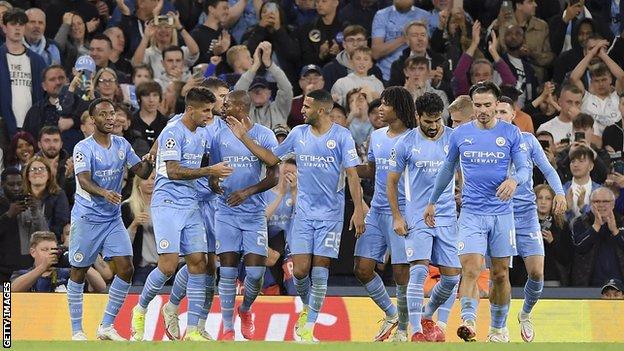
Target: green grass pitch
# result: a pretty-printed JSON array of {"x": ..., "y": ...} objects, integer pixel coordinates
[{"x": 289, "y": 346}]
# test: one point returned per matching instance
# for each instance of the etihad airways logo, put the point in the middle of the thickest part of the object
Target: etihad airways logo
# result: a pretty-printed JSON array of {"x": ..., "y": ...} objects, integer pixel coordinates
[
  {"x": 316, "y": 161},
  {"x": 484, "y": 156}
]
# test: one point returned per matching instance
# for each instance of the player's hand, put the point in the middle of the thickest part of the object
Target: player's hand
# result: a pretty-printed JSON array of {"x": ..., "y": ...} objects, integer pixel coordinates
[
  {"x": 399, "y": 225},
  {"x": 560, "y": 204},
  {"x": 220, "y": 170},
  {"x": 506, "y": 190},
  {"x": 236, "y": 126},
  {"x": 357, "y": 221},
  {"x": 149, "y": 157},
  {"x": 429, "y": 215},
  {"x": 215, "y": 186},
  {"x": 112, "y": 197},
  {"x": 238, "y": 197},
  {"x": 547, "y": 235}
]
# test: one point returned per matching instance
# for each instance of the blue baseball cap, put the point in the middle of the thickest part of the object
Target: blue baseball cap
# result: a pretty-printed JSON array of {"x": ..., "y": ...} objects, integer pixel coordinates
[
  {"x": 310, "y": 68},
  {"x": 85, "y": 63}
]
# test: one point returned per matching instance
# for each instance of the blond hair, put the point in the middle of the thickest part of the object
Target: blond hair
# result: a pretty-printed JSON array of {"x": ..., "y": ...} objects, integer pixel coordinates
[
  {"x": 38, "y": 237},
  {"x": 233, "y": 53},
  {"x": 462, "y": 104}
]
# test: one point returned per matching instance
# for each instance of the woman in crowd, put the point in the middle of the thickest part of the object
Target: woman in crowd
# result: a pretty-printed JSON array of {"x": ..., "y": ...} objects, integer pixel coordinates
[
  {"x": 21, "y": 149},
  {"x": 72, "y": 39},
  {"x": 44, "y": 192},
  {"x": 106, "y": 85}
]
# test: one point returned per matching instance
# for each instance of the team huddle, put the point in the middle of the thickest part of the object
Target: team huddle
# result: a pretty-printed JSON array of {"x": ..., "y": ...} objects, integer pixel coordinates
[{"x": 211, "y": 172}]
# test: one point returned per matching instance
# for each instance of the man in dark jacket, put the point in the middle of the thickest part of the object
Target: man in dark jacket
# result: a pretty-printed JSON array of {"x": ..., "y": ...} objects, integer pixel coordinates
[
  {"x": 562, "y": 25},
  {"x": 61, "y": 162},
  {"x": 599, "y": 242},
  {"x": 60, "y": 108},
  {"x": 354, "y": 37},
  {"x": 20, "y": 72},
  {"x": 318, "y": 38}
]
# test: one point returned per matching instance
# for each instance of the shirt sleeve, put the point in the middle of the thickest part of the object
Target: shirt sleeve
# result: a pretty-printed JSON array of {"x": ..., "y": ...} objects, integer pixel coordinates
[
  {"x": 541, "y": 161},
  {"x": 348, "y": 152},
  {"x": 170, "y": 145},
  {"x": 82, "y": 159},
  {"x": 447, "y": 171},
  {"x": 215, "y": 152},
  {"x": 269, "y": 142},
  {"x": 288, "y": 145},
  {"x": 379, "y": 29},
  {"x": 131, "y": 157},
  {"x": 370, "y": 155},
  {"x": 519, "y": 156}
]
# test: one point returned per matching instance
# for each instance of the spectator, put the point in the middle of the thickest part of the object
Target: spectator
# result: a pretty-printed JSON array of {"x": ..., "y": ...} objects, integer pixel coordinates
[
  {"x": 354, "y": 37},
  {"x": 20, "y": 72},
  {"x": 101, "y": 50},
  {"x": 612, "y": 136},
  {"x": 60, "y": 160},
  {"x": 212, "y": 40},
  {"x": 87, "y": 126},
  {"x": 601, "y": 100},
  {"x": 535, "y": 48},
  {"x": 318, "y": 38},
  {"x": 470, "y": 71},
  {"x": 44, "y": 275},
  {"x": 562, "y": 25},
  {"x": 357, "y": 115},
  {"x": 242, "y": 15},
  {"x": 526, "y": 77},
  {"x": 123, "y": 117},
  {"x": 263, "y": 111},
  {"x": 388, "y": 39},
  {"x": 173, "y": 62},
  {"x": 45, "y": 196},
  {"x": 599, "y": 242},
  {"x": 106, "y": 85},
  {"x": 416, "y": 72},
  {"x": 579, "y": 189},
  {"x": 140, "y": 73},
  {"x": 161, "y": 35},
  {"x": 506, "y": 106},
  {"x": 362, "y": 63},
  {"x": 134, "y": 23},
  {"x": 612, "y": 290},
  {"x": 281, "y": 204},
  {"x": 570, "y": 58},
  {"x": 17, "y": 222},
  {"x": 310, "y": 80},
  {"x": 453, "y": 37},
  {"x": 21, "y": 149},
  {"x": 239, "y": 60},
  {"x": 87, "y": 11},
  {"x": 461, "y": 110},
  {"x": 361, "y": 13},
  {"x": 72, "y": 39},
  {"x": 60, "y": 108},
  {"x": 522, "y": 120},
  {"x": 170, "y": 98},
  {"x": 417, "y": 39},
  {"x": 4, "y": 7},
  {"x": 135, "y": 212},
  {"x": 35, "y": 40},
  {"x": 560, "y": 126},
  {"x": 299, "y": 12},
  {"x": 273, "y": 28},
  {"x": 373, "y": 115},
  {"x": 339, "y": 115},
  {"x": 281, "y": 132},
  {"x": 558, "y": 247},
  {"x": 117, "y": 56},
  {"x": 148, "y": 121},
  {"x": 544, "y": 107}
]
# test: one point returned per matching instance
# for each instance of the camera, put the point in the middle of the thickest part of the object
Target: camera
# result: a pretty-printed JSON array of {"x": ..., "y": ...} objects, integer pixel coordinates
[
  {"x": 163, "y": 20},
  {"x": 578, "y": 136},
  {"x": 62, "y": 253},
  {"x": 618, "y": 166}
]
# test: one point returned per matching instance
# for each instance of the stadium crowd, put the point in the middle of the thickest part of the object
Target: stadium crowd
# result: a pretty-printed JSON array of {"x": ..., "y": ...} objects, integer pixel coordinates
[{"x": 558, "y": 62}]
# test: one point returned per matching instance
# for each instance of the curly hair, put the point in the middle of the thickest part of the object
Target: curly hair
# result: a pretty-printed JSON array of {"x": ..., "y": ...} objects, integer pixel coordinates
[{"x": 429, "y": 103}]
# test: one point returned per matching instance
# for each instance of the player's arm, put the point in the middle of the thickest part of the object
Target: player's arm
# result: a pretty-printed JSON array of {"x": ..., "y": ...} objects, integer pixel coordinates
[
  {"x": 262, "y": 153},
  {"x": 366, "y": 170},
  {"x": 269, "y": 181},
  {"x": 87, "y": 184},
  {"x": 356, "y": 194},
  {"x": 176, "y": 172},
  {"x": 392, "y": 184},
  {"x": 549, "y": 172},
  {"x": 144, "y": 168}
]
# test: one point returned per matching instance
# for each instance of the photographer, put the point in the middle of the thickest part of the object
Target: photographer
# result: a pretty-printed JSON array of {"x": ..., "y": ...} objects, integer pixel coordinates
[
  {"x": 15, "y": 224},
  {"x": 47, "y": 275}
]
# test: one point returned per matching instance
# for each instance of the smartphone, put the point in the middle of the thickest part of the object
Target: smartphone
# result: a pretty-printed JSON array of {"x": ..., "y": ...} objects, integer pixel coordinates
[
  {"x": 163, "y": 20},
  {"x": 618, "y": 166},
  {"x": 545, "y": 144},
  {"x": 565, "y": 141},
  {"x": 198, "y": 71},
  {"x": 271, "y": 7},
  {"x": 578, "y": 136}
]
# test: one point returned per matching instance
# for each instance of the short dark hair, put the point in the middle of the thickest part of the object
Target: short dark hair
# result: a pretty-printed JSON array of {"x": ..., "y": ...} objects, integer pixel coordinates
[
  {"x": 507, "y": 100},
  {"x": 146, "y": 88},
  {"x": 582, "y": 152},
  {"x": 599, "y": 70},
  {"x": 485, "y": 87},
  {"x": 98, "y": 101},
  {"x": 340, "y": 108},
  {"x": 211, "y": 3},
  {"x": 571, "y": 88},
  {"x": 416, "y": 61},
  {"x": 15, "y": 15},
  {"x": 429, "y": 103},
  {"x": 172, "y": 48},
  {"x": 9, "y": 171},
  {"x": 546, "y": 133},
  {"x": 515, "y": 3},
  {"x": 373, "y": 105},
  {"x": 49, "y": 130},
  {"x": 582, "y": 121},
  {"x": 213, "y": 83},
  {"x": 144, "y": 66},
  {"x": 402, "y": 102},
  {"x": 322, "y": 97},
  {"x": 102, "y": 37},
  {"x": 511, "y": 92},
  {"x": 199, "y": 95},
  {"x": 353, "y": 30},
  {"x": 49, "y": 68}
]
